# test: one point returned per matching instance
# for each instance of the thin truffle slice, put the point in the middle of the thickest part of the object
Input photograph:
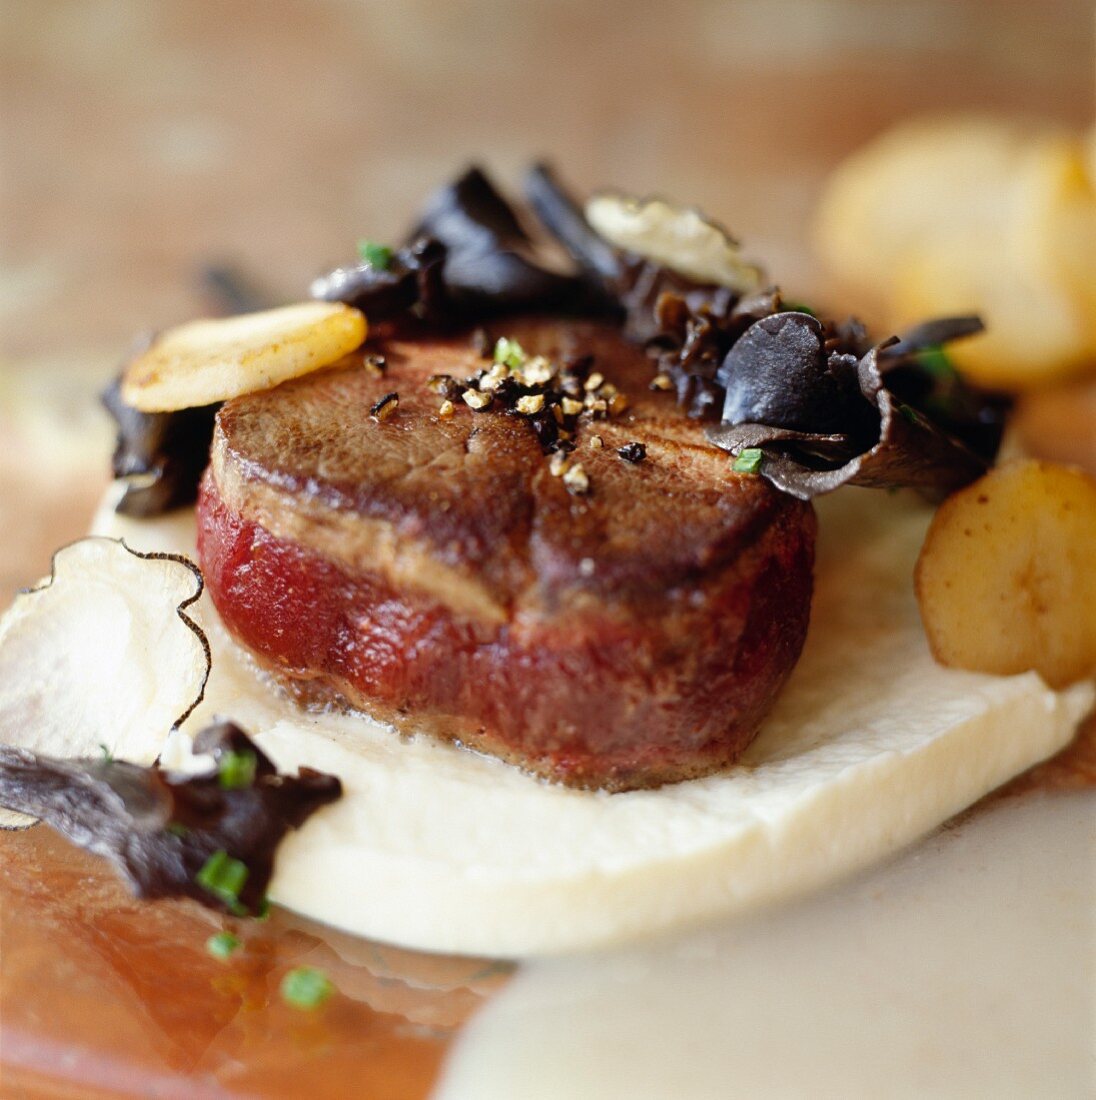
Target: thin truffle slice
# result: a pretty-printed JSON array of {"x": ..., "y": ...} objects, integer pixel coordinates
[{"x": 905, "y": 446}]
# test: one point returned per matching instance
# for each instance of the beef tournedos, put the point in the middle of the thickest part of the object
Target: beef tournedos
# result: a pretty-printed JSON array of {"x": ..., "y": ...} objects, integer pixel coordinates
[{"x": 624, "y": 627}]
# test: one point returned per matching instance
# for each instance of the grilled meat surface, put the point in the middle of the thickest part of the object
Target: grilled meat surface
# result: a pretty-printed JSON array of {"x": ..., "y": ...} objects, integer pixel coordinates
[{"x": 437, "y": 574}]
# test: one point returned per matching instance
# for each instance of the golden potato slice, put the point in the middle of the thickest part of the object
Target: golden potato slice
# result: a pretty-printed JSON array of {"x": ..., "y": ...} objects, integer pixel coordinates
[
  {"x": 1065, "y": 229},
  {"x": 208, "y": 361},
  {"x": 1035, "y": 334},
  {"x": 957, "y": 179},
  {"x": 1006, "y": 580},
  {"x": 970, "y": 214},
  {"x": 1030, "y": 280}
]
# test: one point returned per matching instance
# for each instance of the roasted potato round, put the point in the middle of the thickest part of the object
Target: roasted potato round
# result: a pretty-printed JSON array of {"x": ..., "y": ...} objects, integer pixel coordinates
[
  {"x": 1006, "y": 580},
  {"x": 971, "y": 214}
]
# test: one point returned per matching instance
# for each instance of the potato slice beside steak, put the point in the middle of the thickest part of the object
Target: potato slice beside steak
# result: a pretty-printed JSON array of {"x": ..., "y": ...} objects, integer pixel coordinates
[{"x": 434, "y": 572}]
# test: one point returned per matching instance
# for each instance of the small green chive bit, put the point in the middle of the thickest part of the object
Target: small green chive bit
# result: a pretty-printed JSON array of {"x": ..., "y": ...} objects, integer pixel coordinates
[
  {"x": 748, "y": 461},
  {"x": 935, "y": 361},
  {"x": 377, "y": 256},
  {"x": 222, "y": 945},
  {"x": 509, "y": 352},
  {"x": 237, "y": 770},
  {"x": 224, "y": 878},
  {"x": 306, "y": 987}
]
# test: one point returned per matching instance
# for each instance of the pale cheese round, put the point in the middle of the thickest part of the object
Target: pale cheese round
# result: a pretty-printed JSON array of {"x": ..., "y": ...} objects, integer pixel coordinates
[{"x": 870, "y": 746}]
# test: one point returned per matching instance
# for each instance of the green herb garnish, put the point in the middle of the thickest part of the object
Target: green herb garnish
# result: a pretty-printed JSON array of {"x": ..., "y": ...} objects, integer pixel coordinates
[
  {"x": 748, "y": 461},
  {"x": 108, "y": 756},
  {"x": 509, "y": 352},
  {"x": 909, "y": 412},
  {"x": 222, "y": 945},
  {"x": 306, "y": 987},
  {"x": 377, "y": 256},
  {"x": 936, "y": 362},
  {"x": 224, "y": 878},
  {"x": 176, "y": 828},
  {"x": 798, "y": 307},
  {"x": 237, "y": 770}
]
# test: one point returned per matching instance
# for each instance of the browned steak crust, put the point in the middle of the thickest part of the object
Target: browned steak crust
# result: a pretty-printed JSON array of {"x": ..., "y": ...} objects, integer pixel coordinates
[{"x": 628, "y": 637}]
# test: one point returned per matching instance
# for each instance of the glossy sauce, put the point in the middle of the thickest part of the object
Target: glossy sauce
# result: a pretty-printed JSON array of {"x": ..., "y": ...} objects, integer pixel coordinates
[{"x": 101, "y": 995}]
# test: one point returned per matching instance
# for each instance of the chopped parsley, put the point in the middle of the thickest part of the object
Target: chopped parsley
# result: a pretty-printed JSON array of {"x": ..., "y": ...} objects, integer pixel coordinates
[
  {"x": 108, "y": 756},
  {"x": 222, "y": 945},
  {"x": 748, "y": 461},
  {"x": 377, "y": 256},
  {"x": 237, "y": 769},
  {"x": 306, "y": 987}
]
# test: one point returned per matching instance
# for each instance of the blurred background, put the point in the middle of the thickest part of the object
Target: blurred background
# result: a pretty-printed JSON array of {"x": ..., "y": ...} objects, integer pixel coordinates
[{"x": 146, "y": 139}]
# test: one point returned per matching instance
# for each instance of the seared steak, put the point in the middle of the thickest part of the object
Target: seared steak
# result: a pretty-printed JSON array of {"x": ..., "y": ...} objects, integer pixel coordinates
[{"x": 435, "y": 572}]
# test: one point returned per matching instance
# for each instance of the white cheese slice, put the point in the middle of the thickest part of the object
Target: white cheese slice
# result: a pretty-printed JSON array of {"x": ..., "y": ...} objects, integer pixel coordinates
[{"x": 870, "y": 746}]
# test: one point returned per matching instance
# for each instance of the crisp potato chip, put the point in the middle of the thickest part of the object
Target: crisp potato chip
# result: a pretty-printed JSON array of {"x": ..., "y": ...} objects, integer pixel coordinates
[
  {"x": 1006, "y": 580},
  {"x": 1037, "y": 329},
  {"x": 955, "y": 179},
  {"x": 1064, "y": 231},
  {"x": 974, "y": 215},
  {"x": 208, "y": 361},
  {"x": 1034, "y": 334}
]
